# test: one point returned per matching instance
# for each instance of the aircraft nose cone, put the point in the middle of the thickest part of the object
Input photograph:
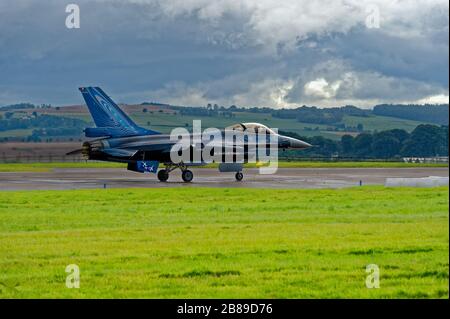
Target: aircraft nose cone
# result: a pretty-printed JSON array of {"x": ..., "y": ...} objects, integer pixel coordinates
[{"x": 295, "y": 143}]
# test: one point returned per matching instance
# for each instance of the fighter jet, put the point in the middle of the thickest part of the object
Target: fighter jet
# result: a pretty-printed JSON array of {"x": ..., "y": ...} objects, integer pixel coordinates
[{"x": 117, "y": 138}]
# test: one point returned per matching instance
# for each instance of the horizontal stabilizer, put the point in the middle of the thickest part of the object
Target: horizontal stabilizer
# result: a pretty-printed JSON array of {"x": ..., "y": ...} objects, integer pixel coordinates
[{"x": 119, "y": 152}]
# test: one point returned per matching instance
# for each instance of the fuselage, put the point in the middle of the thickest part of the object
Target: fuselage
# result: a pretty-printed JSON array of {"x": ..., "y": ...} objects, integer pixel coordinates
[{"x": 158, "y": 147}]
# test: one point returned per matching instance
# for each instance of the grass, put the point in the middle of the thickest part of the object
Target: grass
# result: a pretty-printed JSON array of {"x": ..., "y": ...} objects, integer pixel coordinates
[
  {"x": 381, "y": 123},
  {"x": 46, "y": 167},
  {"x": 165, "y": 122},
  {"x": 225, "y": 243},
  {"x": 16, "y": 133}
]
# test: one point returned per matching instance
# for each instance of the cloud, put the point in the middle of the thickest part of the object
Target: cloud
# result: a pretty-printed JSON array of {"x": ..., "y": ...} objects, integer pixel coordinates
[
  {"x": 178, "y": 93},
  {"x": 336, "y": 82},
  {"x": 251, "y": 53},
  {"x": 268, "y": 92},
  {"x": 327, "y": 84},
  {"x": 434, "y": 99},
  {"x": 321, "y": 88},
  {"x": 273, "y": 23}
]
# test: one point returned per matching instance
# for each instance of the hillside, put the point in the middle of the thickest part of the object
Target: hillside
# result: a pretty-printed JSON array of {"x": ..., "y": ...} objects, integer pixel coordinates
[
  {"x": 27, "y": 122},
  {"x": 436, "y": 114}
]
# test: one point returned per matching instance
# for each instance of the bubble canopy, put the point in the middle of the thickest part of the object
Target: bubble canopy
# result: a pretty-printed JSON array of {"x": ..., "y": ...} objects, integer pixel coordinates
[{"x": 251, "y": 127}]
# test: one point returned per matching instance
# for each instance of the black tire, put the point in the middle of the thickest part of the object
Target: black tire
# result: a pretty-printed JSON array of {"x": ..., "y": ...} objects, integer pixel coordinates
[
  {"x": 163, "y": 175},
  {"x": 187, "y": 176},
  {"x": 239, "y": 176}
]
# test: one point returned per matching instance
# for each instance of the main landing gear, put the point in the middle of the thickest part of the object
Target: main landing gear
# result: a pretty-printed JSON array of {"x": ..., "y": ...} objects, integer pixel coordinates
[
  {"x": 163, "y": 175},
  {"x": 186, "y": 175},
  {"x": 239, "y": 176}
]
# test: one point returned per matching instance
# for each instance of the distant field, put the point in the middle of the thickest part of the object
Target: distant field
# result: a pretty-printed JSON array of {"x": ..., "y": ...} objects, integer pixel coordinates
[
  {"x": 165, "y": 122},
  {"x": 381, "y": 123},
  {"x": 16, "y": 133},
  {"x": 371, "y": 123},
  {"x": 225, "y": 243},
  {"x": 45, "y": 167}
]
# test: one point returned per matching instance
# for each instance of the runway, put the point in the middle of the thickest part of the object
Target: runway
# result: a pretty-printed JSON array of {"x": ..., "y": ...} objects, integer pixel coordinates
[{"x": 285, "y": 178}]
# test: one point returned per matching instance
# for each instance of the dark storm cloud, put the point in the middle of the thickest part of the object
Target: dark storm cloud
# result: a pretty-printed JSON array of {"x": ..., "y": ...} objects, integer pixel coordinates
[{"x": 229, "y": 52}]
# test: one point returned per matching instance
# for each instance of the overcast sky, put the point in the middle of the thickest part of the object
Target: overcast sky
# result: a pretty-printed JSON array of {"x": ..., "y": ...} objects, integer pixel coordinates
[{"x": 249, "y": 53}]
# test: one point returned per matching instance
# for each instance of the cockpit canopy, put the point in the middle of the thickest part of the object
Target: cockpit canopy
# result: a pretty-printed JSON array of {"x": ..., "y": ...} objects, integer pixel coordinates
[{"x": 257, "y": 128}]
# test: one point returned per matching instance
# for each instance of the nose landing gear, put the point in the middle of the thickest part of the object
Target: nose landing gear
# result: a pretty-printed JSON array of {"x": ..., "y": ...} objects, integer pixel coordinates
[
  {"x": 239, "y": 176},
  {"x": 187, "y": 176}
]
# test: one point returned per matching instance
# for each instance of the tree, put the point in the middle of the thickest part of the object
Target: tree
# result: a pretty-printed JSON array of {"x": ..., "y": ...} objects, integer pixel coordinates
[
  {"x": 363, "y": 144},
  {"x": 322, "y": 146},
  {"x": 399, "y": 134},
  {"x": 385, "y": 145},
  {"x": 360, "y": 127},
  {"x": 427, "y": 140},
  {"x": 347, "y": 142}
]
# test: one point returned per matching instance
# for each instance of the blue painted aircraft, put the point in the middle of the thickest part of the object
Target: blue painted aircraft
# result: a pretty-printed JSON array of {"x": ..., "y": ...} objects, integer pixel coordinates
[{"x": 117, "y": 138}]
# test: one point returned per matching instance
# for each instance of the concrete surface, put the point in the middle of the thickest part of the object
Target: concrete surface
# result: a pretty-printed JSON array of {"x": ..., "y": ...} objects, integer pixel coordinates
[{"x": 204, "y": 177}]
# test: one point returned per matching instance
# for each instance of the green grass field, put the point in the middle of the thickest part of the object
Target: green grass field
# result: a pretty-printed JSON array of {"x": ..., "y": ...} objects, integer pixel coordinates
[
  {"x": 17, "y": 133},
  {"x": 45, "y": 167},
  {"x": 165, "y": 122},
  {"x": 381, "y": 123},
  {"x": 227, "y": 243}
]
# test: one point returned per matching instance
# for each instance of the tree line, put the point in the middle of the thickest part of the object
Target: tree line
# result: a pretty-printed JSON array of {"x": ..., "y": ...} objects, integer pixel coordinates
[
  {"x": 39, "y": 121},
  {"x": 314, "y": 115},
  {"x": 425, "y": 113},
  {"x": 425, "y": 140},
  {"x": 437, "y": 114}
]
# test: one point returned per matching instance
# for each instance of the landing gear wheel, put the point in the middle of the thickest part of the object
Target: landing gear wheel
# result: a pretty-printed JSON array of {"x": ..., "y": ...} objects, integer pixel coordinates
[
  {"x": 187, "y": 176},
  {"x": 239, "y": 176},
  {"x": 163, "y": 175}
]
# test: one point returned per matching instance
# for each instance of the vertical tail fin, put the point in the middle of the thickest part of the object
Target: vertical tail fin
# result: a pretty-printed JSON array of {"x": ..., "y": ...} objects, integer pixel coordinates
[{"x": 108, "y": 117}]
